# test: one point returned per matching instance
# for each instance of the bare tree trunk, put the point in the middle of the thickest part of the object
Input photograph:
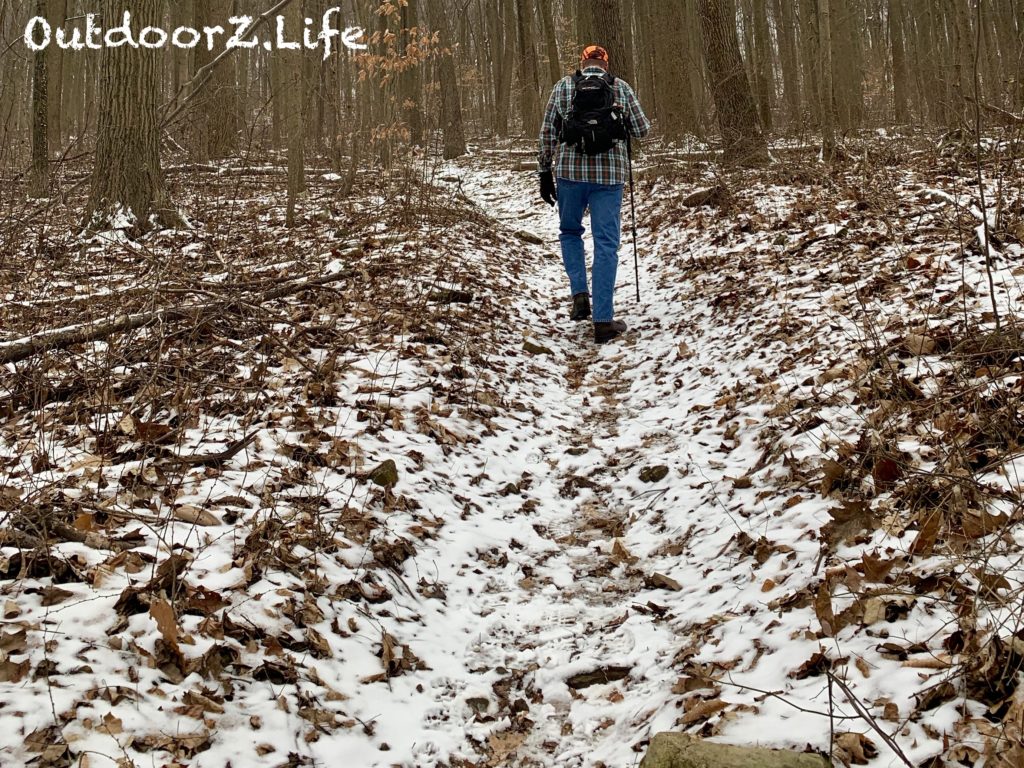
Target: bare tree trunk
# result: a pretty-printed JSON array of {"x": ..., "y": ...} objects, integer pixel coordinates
[
  {"x": 785, "y": 23},
  {"x": 219, "y": 109},
  {"x": 526, "y": 59},
  {"x": 744, "y": 143},
  {"x": 551, "y": 41},
  {"x": 606, "y": 23},
  {"x": 278, "y": 97},
  {"x": 499, "y": 72},
  {"x": 764, "y": 66},
  {"x": 810, "y": 45},
  {"x": 40, "y": 178},
  {"x": 451, "y": 103},
  {"x": 56, "y": 12},
  {"x": 900, "y": 71},
  {"x": 411, "y": 78},
  {"x": 828, "y": 124},
  {"x": 127, "y": 174},
  {"x": 963, "y": 53},
  {"x": 847, "y": 29},
  {"x": 674, "y": 107},
  {"x": 293, "y": 83},
  {"x": 694, "y": 68}
]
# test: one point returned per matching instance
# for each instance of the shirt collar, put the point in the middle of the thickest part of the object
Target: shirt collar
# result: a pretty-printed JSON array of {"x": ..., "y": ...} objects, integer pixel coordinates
[{"x": 592, "y": 69}]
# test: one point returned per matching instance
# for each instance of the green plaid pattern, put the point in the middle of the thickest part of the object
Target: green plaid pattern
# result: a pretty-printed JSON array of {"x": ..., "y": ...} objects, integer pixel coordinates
[{"x": 609, "y": 168}]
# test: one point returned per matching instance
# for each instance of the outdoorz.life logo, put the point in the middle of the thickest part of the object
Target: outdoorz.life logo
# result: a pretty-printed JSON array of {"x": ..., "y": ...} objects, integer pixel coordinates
[{"x": 39, "y": 35}]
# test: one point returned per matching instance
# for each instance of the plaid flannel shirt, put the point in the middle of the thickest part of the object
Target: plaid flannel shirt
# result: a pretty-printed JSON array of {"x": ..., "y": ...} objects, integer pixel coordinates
[{"x": 609, "y": 168}]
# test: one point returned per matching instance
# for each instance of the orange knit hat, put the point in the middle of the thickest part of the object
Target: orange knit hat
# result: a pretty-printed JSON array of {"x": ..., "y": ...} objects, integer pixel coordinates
[{"x": 594, "y": 52}]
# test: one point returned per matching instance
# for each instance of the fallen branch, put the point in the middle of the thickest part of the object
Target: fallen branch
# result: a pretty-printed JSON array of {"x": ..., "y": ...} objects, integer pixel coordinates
[
  {"x": 217, "y": 170},
  {"x": 213, "y": 459},
  {"x": 63, "y": 338},
  {"x": 992, "y": 108},
  {"x": 866, "y": 716}
]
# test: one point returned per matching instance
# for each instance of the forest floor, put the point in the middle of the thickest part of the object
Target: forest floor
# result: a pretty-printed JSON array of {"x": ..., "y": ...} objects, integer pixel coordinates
[{"x": 409, "y": 515}]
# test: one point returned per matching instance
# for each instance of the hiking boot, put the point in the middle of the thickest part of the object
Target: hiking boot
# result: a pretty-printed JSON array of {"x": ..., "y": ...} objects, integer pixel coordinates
[
  {"x": 580, "y": 307},
  {"x": 605, "y": 332}
]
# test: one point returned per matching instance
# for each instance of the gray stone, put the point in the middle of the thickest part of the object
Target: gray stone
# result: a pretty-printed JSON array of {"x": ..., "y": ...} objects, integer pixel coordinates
[
  {"x": 654, "y": 474},
  {"x": 713, "y": 197},
  {"x": 529, "y": 237},
  {"x": 536, "y": 349},
  {"x": 386, "y": 475},
  {"x": 679, "y": 750}
]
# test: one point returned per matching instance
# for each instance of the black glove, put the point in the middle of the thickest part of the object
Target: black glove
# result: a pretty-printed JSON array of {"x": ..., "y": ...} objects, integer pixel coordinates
[{"x": 547, "y": 187}]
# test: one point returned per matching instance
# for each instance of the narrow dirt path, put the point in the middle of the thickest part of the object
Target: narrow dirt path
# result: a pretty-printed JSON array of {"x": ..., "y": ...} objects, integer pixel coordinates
[{"x": 550, "y": 608}]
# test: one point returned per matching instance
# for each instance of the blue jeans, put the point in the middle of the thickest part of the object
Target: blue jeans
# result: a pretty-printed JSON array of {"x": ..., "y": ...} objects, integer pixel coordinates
[{"x": 605, "y": 201}]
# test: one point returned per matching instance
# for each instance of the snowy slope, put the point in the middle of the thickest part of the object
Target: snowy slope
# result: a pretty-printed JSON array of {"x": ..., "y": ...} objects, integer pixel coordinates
[{"x": 652, "y": 511}]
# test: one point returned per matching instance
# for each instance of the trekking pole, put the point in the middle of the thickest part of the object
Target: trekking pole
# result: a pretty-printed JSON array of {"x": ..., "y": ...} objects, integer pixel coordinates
[{"x": 632, "y": 206}]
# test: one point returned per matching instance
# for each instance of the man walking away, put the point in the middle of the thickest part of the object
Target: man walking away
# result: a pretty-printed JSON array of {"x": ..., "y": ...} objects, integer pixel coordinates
[{"x": 588, "y": 120}]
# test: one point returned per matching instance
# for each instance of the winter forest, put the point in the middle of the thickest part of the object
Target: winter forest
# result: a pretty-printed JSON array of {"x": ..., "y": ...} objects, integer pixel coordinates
[{"x": 377, "y": 391}]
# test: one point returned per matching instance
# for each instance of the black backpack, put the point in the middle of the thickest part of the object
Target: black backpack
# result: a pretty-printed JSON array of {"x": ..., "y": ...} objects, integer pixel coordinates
[{"x": 593, "y": 124}]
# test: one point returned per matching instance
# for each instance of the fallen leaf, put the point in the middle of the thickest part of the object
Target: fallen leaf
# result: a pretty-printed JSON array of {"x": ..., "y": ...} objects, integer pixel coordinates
[
  {"x": 925, "y": 541},
  {"x": 813, "y": 667},
  {"x": 503, "y": 745},
  {"x": 84, "y": 522},
  {"x": 823, "y": 610},
  {"x": 977, "y": 523},
  {"x": 875, "y": 568},
  {"x": 834, "y": 476},
  {"x": 874, "y": 611},
  {"x": 622, "y": 555},
  {"x": 163, "y": 614},
  {"x": 885, "y": 473},
  {"x": 10, "y": 672},
  {"x": 660, "y": 581},
  {"x": 195, "y": 516},
  {"x": 54, "y": 595},
  {"x": 14, "y": 643},
  {"x": 858, "y": 748},
  {"x": 318, "y": 644},
  {"x": 702, "y": 711},
  {"x": 111, "y": 725}
]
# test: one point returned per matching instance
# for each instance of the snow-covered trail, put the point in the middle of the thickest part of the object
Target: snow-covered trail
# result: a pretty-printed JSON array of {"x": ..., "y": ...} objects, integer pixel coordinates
[
  {"x": 606, "y": 490},
  {"x": 549, "y": 607},
  {"x": 644, "y": 524}
]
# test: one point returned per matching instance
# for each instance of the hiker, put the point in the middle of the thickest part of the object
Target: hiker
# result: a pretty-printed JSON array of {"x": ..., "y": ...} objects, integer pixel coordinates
[{"x": 590, "y": 119}]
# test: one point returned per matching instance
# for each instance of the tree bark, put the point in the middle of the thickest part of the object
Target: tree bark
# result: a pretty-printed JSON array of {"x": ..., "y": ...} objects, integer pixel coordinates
[
  {"x": 744, "y": 143},
  {"x": 56, "y": 14},
  {"x": 219, "y": 121},
  {"x": 127, "y": 174},
  {"x": 451, "y": 102},
  {"x": 606, "y": 23},
  {"x": 785, "y": 17},
  {"x": 764, "y": 66},
  {"x": 294, "y": 86},
  {"x": 674, "y": 107},
  {"x": 526, "y": 59},
  {"x": 40, "y": 178},
  {"x": 412, "y": 107},
  {"x": 828, "y": 120},
  {"x": 810, "y": 57},
  {"x": 551, "y": 41},
  {"x": 900, "y": 71}
]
